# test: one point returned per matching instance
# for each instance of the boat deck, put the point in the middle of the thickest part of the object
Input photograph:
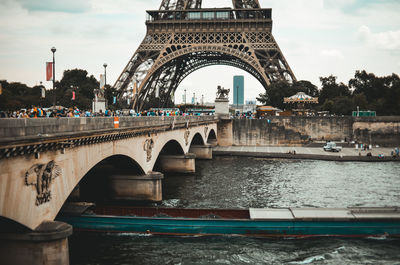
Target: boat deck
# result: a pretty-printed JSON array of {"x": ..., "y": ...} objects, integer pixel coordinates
[
  {"x": 320, "y": 214},
  {"x": 272, "y": 214}
]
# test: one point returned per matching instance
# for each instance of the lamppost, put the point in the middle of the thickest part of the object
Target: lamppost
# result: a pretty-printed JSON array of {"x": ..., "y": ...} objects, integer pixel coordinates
[
  {"x": 105, "y": 74},
  {"x": 53, "y": 50},
  {"x": 184, "y": 110}
]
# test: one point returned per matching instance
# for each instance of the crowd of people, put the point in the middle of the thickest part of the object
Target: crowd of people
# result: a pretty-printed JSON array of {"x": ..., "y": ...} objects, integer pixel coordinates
[{"x": 38, "y": 112}]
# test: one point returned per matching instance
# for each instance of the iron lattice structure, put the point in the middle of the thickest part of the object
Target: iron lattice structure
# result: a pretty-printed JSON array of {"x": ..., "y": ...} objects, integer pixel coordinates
[{"x": 182, "y": 38}]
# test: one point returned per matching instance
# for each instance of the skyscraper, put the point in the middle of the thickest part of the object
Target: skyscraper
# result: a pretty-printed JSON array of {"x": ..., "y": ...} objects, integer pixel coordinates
[{"x": 238, "y": 90}]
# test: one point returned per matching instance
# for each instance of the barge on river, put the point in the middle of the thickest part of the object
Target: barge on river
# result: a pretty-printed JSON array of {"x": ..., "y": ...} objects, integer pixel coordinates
[{"x": 289, "y": 222}]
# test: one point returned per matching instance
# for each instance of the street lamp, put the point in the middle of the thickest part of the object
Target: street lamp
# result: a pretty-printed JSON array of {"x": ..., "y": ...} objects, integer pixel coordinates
[
  {"x": 105, "y": 74},
  {"x": 53, "y": 50}
]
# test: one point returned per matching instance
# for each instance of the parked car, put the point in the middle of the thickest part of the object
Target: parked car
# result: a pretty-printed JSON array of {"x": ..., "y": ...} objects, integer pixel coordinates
[{"x": 332, "y": 147}]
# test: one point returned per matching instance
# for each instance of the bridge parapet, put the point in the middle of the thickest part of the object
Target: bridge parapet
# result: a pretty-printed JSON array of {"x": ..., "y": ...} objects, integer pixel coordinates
[
  {"x": 18, "y": 129},
  {"x": 33, "y": 136}
]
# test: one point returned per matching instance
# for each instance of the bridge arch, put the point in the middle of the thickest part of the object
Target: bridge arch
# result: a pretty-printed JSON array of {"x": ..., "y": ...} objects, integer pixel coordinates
[
  {"x": 197, "y": 139},
  {"x": 94, "y": 185},
  {"x": 212, "y": 137},
  {"x": 172, "y": 147}
]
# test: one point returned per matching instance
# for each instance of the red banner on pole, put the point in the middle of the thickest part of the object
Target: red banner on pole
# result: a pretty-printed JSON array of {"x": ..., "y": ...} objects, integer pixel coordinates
[
  {"x": 49, "y": 71},
  {"x": 73, "y": 95}
]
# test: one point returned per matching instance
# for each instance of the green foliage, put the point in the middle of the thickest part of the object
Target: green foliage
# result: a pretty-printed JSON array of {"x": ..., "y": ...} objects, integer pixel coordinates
[
  {"x": 306, "y": 87},
  {"x": 382, "y": 93},
  {"x": 76, "y": 80},
  {"x": 17, "y": 96},
  {"x": 330, "y": 89},
  {"x": 360, "y": 100},
  {"x": 365, "y": 90},
  {"x": 276, "y": 92}
]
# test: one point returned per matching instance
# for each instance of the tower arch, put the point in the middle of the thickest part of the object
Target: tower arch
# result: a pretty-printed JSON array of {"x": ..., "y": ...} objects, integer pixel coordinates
[{"x": 181, "y": 38}]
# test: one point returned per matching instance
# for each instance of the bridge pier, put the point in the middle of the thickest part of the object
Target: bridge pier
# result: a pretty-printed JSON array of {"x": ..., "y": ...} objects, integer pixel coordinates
[
  {"x": 46, "y": 245},
  {"x": 137, "y": 188},
  {"x": 178, "y": 163},
  {"x": 201, "y": 151},
  {"x": 212, "y": 142},
  {"x": 225, "y": 135}
]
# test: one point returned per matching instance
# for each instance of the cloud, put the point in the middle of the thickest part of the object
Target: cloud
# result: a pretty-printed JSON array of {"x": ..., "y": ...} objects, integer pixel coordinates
[
  {"x": 388, "y": 40},
  {"x": 353, "y": 6},
  {"x": 137, "y": 7},
  {"x": 71, "y": 6},
  {"x": 341, "y": 4},
  {"x": 332, "y": 53}
]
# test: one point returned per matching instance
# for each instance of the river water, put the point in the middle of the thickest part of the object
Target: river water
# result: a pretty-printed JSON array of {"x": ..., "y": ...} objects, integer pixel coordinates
[{"x": 233, "y": 182}]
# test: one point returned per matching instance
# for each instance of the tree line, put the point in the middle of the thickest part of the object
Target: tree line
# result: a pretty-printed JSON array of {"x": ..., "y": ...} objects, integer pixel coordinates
[
  {"x": 17, "y": 96},
  {"x": 366, "y": 91}
]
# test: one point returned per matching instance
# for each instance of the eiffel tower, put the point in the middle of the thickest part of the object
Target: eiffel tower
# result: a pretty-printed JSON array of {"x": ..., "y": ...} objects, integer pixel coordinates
[{"x": 182, "y": 37}]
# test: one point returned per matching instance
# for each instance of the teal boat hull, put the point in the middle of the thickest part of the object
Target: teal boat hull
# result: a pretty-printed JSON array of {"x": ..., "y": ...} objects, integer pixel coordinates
[{"x": 210, "y": 227}]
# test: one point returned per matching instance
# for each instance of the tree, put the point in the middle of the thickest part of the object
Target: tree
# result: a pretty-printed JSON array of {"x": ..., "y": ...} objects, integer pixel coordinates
[
  {"x": 330, "y": 89},
  {"x": 365, "y": 83},
  {"x": 76, "y": 80},
  {"x": 360, "y": 100},
  {"x": 382, "y": 93},
  {"x": 17, "y": 96},
  {"x": 306, "y": 87},
  {"x": 342, "y": 105},
  {"x": 275, "y": 93},
  {"x": 390, "y": 96}
]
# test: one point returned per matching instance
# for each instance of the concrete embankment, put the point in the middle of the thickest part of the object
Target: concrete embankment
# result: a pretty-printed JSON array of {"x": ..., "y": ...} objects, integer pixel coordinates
[
  {"x": 382, "y": 131},
  {"x": 346, "y": 155}
]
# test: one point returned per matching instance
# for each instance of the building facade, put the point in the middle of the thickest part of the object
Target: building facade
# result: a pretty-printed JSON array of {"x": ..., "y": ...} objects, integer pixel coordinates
[{"x": 238, "y": 90}]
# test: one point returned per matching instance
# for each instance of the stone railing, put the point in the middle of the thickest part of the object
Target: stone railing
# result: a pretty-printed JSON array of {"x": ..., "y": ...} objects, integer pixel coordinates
[{"x": 17, "y": 129}]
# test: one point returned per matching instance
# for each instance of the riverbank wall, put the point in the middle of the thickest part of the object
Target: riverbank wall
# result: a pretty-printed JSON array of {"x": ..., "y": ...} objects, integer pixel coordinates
[{"x": 383, "y": 131}]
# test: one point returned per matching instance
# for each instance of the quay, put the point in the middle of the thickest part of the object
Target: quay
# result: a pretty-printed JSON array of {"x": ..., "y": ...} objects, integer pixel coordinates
[{"x": 302, "y": 152}]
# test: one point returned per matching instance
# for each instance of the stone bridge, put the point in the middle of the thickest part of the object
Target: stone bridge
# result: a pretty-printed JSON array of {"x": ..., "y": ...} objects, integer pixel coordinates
[{"x": 43, "y": 162}]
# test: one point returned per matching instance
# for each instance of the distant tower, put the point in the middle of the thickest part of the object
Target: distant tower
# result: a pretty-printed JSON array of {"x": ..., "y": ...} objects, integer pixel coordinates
[
  {"x": 238, "y": 90},
  {"x": 183, "y": 37}
]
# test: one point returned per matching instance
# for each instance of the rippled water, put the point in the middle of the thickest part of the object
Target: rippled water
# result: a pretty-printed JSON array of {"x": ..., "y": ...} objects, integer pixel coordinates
[{"x": 228, "y": 182}]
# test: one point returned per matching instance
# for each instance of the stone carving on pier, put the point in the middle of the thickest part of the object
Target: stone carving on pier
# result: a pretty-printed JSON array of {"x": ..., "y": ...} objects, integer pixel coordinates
[
  {"x": 148, "y": 147},
  {"x": 222, "y": 93},
  {"x": 205, "y": 131},
  {"x": 41, "y": 176},
  {"x": 186, "y": 135}
]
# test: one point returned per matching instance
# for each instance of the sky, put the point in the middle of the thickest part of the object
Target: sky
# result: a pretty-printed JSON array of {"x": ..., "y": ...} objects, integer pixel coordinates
[{"x": 317, "y": 37}]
